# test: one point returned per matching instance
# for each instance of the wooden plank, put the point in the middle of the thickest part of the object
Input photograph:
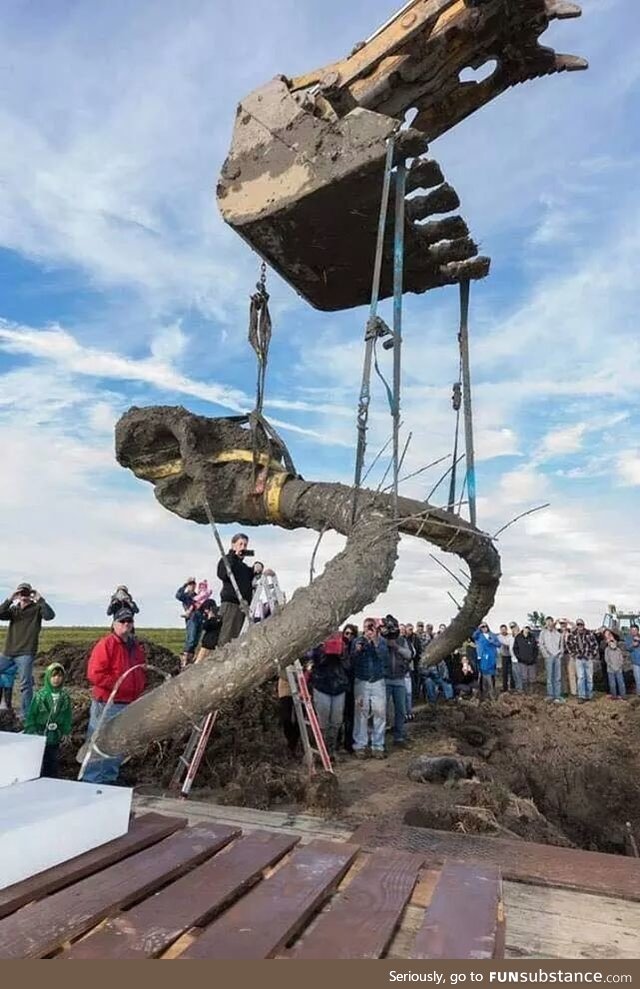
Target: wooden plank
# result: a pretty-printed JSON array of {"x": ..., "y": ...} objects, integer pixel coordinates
[
  {"x": 143, "y": 831},
  {"x": 246, "y": 818},
  {"x": 519, "y": 861},
  {"x": 462, "y": 920},
  {"x": 268, "y": 917},
  {"x": 149, "y": 928},
  {"x": 361, "y": 921},
  {"x": 39, "y": 928},
  {"x": 553, "y": 923}
]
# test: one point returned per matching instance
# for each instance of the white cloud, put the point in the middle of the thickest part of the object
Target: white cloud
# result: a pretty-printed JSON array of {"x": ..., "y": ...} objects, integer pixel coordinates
[{"x": 629, "y": 468}]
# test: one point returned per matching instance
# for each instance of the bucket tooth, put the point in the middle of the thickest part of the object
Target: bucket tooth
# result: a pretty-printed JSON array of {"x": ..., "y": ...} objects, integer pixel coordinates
[{"x": 562, "y": 10}]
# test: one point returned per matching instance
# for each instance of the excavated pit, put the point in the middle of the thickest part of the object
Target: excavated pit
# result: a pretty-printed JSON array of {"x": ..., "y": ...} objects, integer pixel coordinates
[{"x": 562, "y": 775}]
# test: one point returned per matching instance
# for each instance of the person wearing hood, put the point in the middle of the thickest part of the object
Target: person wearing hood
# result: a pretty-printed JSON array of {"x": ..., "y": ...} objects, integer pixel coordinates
[{"x": 50, "y": 715}]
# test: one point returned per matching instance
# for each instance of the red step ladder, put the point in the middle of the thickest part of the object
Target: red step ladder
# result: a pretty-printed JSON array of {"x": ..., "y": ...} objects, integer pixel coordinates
[{"x": 307, "y": 720}]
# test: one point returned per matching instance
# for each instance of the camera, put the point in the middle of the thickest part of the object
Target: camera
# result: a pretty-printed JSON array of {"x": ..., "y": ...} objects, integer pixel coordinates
[
  {"x": 389, "y": 627},
  {"x": 248, "y": 552}
]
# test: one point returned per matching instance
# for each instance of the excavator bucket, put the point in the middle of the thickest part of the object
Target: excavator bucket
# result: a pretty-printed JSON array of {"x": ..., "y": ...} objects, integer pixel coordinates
[{"x": 303, "y": 179}]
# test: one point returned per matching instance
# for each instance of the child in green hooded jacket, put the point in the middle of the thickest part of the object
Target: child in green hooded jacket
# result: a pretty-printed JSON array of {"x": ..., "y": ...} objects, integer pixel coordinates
[{"x": 50, "y": 715}]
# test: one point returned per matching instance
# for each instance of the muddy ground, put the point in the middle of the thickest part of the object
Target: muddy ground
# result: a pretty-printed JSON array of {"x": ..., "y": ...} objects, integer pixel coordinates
[{"x": 559, "y": 774}]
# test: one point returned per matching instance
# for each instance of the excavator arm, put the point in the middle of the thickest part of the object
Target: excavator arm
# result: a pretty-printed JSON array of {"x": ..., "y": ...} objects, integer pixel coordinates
[{"x": 303, "y": 176}]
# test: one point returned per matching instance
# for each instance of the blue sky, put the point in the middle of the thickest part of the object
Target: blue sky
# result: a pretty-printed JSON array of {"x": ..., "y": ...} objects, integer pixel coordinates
[{"x": 121, "y": 285}]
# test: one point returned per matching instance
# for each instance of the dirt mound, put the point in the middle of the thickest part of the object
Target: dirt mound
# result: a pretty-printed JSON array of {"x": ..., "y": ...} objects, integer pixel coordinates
[
  {"x": 74, "y": 658},
  {"x": 569, "y": 771}
]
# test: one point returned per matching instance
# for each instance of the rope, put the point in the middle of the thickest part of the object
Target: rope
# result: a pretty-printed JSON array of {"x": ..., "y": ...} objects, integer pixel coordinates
[{"x": 463, "y": 338}]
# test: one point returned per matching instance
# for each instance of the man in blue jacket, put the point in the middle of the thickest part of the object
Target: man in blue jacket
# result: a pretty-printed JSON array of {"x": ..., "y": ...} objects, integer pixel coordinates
[
  {"x": 487, "y": 646},
  {"x": 370, "y": 658},
  {"x": 632, "y": 642}
]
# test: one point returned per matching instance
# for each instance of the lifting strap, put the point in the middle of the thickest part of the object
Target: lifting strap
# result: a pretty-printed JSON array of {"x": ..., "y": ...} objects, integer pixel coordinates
[
  {"x": 372, "y": 330},
  {"x": 377, "y": 328},
  {"x": 463, "y": 339}
]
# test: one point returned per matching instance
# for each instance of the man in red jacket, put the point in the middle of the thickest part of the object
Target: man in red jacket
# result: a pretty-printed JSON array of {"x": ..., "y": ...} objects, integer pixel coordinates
[{"x": 117, "y": 659}]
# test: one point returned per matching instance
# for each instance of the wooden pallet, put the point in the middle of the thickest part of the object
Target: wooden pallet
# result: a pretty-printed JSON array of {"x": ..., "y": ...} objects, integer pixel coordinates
[{"x": 210, "y": 891}]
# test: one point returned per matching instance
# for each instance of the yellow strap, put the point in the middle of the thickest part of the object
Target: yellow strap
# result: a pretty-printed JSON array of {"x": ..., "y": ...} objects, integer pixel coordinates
[
  {"x": 174, "y": 467},
  {"x": 272, "y": 496}
]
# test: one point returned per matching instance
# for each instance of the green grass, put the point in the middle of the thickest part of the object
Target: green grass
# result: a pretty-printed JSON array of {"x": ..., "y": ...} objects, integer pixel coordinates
[{"x": 170, "y": 638}]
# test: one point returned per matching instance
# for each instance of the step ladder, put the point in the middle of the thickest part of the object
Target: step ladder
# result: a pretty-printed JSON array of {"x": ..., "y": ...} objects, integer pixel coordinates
[
  {"x": 267, "y": 591},
  {"x": 189, "y": 761},
  {"x": 307, "y": 720}
]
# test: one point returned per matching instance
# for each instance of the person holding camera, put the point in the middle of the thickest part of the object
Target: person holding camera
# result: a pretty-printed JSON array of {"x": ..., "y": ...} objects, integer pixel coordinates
[
  {"x": 186, "y": 595},
  {"x": 121, "y": 598},
  {"x": 231, "y": 609},
  {"x": 25, "y": 611},
  {"x": 398, "y": 665},
  {"x": 370, "y": 659}
]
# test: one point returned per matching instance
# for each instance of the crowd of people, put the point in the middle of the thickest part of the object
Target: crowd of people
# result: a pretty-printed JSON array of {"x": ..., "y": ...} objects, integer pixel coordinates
[{"x": 363, "y": 683}]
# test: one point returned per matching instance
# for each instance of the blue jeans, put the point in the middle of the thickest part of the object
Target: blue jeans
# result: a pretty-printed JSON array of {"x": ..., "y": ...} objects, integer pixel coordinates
[
  {"x": 584, "y": 677},
  {"x": 99, "y": 770},
  {"x": 432, "y": 687},
  {"x": 24, "y": 665},
  {"x": 517, "y": 676},
  {"x": 192, "y": 631},
  {"x": 330, "y": 711},
  {"x": 554, "y": 676},
  {"x": 397, "y": 693},
  {"x": 636, "y": 676},
  {"x": 370, "y": 700},
  {"x": 616, "y": 683}
]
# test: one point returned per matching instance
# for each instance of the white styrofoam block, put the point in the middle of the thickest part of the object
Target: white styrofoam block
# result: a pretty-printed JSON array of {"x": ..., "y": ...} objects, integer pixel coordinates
[
  {"x": 45, "y": 822},
  {"x": 20, "y": 757}
]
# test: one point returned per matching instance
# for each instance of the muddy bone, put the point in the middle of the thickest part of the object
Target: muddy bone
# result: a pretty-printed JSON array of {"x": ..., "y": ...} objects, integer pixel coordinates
[
  {"x": 193, "y": 461},
  {"x": 307, "y": 154}
]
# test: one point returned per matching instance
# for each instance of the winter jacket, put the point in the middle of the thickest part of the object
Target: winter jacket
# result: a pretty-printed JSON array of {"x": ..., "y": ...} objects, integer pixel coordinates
[
  {"x": 487, "y": 645},
  {"x": 116, "y": 603},
  {"x": 370, "y": 660},
  {"x": 582, "y": 645},
  {"x": 329, "y": 675},
  {"x": 24, "y": 626},
  {"x": 399, "y": 659},
  {"x": 109, "y": 659},
  {"x": 243, "y": 575},
  {"x": 460, "y": 674},
  {"x": 633, "y": 646},
  {"x": 526, "y": 649},
  {"x": 614, "y": 658},
  {"x": 50, "y": 711},
  {"x": 186, "y": 599},
  {"x": 211, "y": 632},
  {"x": 550, "y": 643}
]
